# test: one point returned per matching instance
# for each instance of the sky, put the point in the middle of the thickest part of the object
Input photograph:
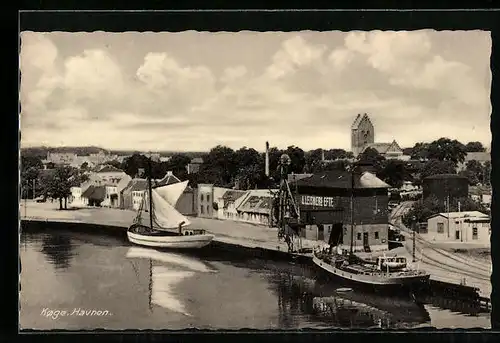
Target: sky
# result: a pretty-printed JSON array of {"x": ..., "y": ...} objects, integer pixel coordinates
[{"x": 191, "y": 91}]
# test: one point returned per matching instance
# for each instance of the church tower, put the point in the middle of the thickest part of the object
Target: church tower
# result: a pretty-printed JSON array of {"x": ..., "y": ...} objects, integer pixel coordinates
[{"x": 362, "y": 133}]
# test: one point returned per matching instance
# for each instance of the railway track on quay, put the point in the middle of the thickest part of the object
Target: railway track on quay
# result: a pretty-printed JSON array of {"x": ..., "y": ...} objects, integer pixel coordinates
[{"x": 461, "y": 265}]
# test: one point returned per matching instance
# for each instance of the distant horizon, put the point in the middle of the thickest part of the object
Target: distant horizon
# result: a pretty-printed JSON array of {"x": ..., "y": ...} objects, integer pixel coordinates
[
  {"x": 486, "y": 146},
  {"x": 191, "y": 90}
]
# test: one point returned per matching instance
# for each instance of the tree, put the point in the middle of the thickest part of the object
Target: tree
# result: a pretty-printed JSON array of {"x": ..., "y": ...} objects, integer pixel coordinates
[
  {"x": 371, "y": 156},
  {"x": 274, "y": 157},
  {"x": 434, "y": 167},
  {"x": 313, "y": 160},
  {"x": 58, "y": 184},
  {"x": 250, "y": 168},
  {"x": 31, "y": 162},
  {"x": 336, "y": 154},
  {"x": 298, "y": 159},
  {"x": 421, "y": 211},
  {"x": 219, "y": 166},
  {"x": 394, "y": 173},
  {"x": 474, "y": 147},
  {"x": 475, "y": 172},
  {"x": 420, "y": 151},
  {"x": 445, "y": 149},
  {"x": 487, "y": 173},
  {"x": 30, "y": 170}
]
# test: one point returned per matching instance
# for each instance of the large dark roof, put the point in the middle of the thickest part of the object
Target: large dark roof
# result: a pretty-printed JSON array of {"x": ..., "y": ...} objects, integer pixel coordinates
[
  {"x": 95, "y": 193},
  {"x": 341, "y": 179},
  {"x": 136, "y": 185},
  {"x": 256, "y": 204},
  {"x": 232, "y": 195},
  {"x": 445, "y": 176}
]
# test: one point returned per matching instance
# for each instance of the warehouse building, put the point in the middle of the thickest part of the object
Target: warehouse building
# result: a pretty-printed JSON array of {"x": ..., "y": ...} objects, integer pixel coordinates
[
  {"x": 470, "y": 227},
  {"x": 324, "y": 200}
]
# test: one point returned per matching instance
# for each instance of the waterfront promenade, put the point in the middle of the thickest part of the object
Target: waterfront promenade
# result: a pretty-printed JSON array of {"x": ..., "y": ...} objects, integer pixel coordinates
[{"x": 228, "y": 232}]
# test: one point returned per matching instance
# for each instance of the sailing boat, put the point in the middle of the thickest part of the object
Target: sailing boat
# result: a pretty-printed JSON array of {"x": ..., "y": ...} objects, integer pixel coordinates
[
  {"x": 166, "y": 227},
  {"x": 384, "y": 271}
]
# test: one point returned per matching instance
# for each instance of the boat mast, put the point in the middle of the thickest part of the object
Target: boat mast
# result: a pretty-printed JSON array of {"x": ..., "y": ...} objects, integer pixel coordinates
[
  {"x": 352, "y": 209},
  {"x": 150, "y": 193}
]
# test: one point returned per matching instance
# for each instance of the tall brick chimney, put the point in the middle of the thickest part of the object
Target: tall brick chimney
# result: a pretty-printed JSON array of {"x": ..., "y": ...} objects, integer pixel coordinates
[{"x": 267, "y": 159}]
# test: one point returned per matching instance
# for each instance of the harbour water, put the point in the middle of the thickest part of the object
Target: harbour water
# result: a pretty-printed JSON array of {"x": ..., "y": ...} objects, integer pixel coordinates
[{"x": 79, "y": 281}]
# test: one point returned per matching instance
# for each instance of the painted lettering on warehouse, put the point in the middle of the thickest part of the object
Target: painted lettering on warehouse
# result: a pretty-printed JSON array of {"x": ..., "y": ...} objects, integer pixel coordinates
[{"x": 319, "y": 201}]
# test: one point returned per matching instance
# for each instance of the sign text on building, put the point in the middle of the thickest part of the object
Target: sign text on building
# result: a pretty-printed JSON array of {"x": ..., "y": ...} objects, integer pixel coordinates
[{"x": 309, "y": 200}]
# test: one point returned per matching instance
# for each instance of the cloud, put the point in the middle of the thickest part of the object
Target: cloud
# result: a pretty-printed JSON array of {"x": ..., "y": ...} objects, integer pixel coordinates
[{"x": 307, "y": 94}]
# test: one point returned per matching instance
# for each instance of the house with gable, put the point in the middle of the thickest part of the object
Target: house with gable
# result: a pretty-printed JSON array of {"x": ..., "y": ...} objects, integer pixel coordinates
[
  {"x": 388, "y": 150},
  {"x": 256, "y": 207},
  {"x": 231, "y": 200}
]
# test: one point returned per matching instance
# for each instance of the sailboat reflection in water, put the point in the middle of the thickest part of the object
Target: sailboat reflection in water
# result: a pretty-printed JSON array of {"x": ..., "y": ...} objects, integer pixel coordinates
[{"x": 163, "y": 279}]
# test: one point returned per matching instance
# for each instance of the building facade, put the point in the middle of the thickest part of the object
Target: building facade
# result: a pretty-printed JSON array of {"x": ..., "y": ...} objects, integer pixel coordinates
[
  {"x": 193, "y": 167},
  {"x": 231, "y": 200},
  {"x": 324, "y": 200},
  {"x": 469, "y": 227},
  {"x": 205, "y": 200},
  {"x": 255, "y": 207}
]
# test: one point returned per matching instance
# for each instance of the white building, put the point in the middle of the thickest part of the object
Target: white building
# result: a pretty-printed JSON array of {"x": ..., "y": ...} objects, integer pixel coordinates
[
  {"x": 231, "y": 200},
  {"x": 255, "y": 207},
  {"x": 470, "y": 226}
]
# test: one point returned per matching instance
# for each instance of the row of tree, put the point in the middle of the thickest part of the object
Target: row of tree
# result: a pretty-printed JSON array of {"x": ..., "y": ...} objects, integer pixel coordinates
[{"x": 245, "y": 167}]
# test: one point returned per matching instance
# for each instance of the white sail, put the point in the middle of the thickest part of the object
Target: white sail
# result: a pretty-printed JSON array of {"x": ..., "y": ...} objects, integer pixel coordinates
[
  {"x": 165, "y": 216},
  {"x": 172, "y": 193}
]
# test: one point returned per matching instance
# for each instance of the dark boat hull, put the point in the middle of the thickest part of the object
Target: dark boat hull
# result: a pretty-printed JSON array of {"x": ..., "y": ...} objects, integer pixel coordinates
[{"x": 379, "y": 283}]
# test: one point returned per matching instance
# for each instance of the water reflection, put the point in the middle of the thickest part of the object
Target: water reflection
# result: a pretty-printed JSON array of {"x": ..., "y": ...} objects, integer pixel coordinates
[
  {"x": 322, "y": 302},
  {"x": 58, "y": 249},
  {"x": 164, "y": 278},
  {"x": 147, "y": 288}
]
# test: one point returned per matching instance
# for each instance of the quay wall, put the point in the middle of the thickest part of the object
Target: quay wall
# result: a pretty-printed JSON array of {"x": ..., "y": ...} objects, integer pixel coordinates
[{"x": 234, "y": 237}]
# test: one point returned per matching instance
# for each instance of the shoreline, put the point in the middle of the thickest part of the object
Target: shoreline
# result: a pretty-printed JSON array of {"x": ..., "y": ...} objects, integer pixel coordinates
[{"x": 237, "y": 237}]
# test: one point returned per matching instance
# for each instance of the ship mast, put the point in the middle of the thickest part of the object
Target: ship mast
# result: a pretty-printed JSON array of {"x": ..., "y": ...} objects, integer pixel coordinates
[
  {"x": 150, "y": 188},
  {"x": 352, "y": 209}
]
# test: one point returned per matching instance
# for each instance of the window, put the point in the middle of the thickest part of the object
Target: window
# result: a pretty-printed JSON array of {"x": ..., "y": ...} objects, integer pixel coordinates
[
  {"x": 376, "y": 234},
  {"x": 201, "y": 209},
  {"x": 359, "y": 236},
  {"x": 201, "y": 197},
  {"x": 474, "y": 233},
  {"x": 440, "y": 227},
  {"x": 208, "y": 197},
  {"x": 208, "y": 209}
]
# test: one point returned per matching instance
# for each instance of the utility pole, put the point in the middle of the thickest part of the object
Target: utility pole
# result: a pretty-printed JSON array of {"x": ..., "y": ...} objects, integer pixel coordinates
[
  {"x": 448, "y": 213},
  {"x": 414, "y": 219},
  {"x": 461, "y": 226}
]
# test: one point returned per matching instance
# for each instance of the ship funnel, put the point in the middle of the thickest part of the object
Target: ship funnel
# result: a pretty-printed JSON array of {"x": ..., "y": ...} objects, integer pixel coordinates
[{"x": 267, "y": 159}]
